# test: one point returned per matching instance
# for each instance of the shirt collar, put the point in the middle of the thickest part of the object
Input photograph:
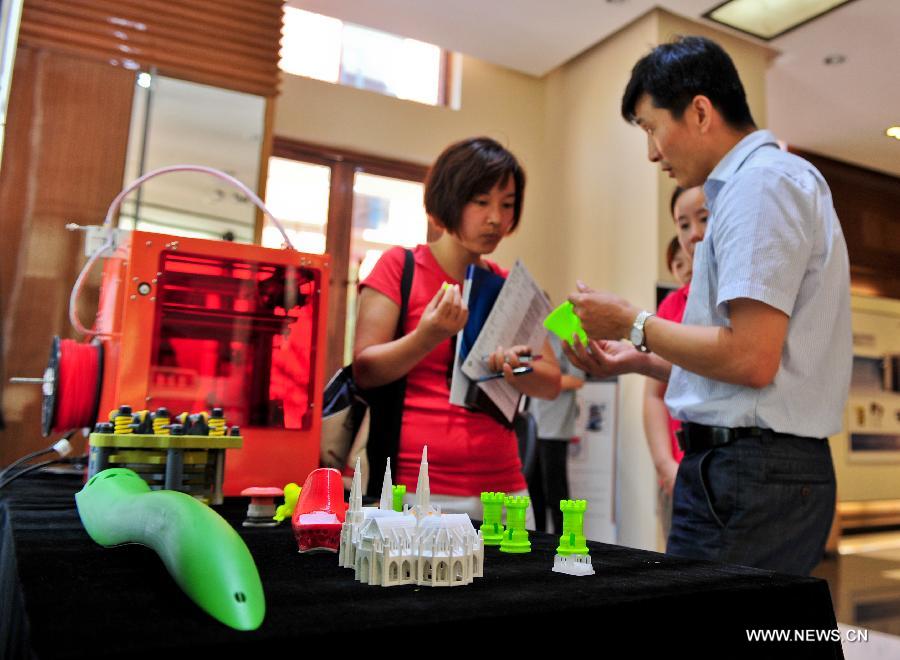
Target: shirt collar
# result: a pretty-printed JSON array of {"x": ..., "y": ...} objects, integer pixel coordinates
[{"x": 734, "y": 159}]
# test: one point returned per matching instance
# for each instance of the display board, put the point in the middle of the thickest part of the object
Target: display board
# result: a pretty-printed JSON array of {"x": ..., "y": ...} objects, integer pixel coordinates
[{"x": 592, "y": 458}]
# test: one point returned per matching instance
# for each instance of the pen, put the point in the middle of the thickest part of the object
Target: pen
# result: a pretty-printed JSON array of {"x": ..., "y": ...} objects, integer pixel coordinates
[
  {"x": 518, "y": 371},
  {"x": 522, "y": 358}
]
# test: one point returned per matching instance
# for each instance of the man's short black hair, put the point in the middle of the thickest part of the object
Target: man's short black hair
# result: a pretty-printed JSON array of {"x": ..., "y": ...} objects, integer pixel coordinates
[
  {"x": 674, "y": 73},
  {"x": 467, "y": 169}
]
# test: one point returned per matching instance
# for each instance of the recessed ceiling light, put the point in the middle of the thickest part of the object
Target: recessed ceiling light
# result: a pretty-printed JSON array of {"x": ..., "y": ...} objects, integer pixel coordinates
[
  {"x": 894, "y": 132},
  {"x": 768, "y": 19},
  {"x": 834, "y": 59}
]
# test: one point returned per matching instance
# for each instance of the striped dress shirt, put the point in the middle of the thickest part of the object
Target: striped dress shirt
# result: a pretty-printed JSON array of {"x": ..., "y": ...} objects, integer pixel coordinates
[{"x": 772, "y": 236}]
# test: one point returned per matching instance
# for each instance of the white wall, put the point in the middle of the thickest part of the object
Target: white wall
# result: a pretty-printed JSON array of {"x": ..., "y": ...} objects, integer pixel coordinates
[{"x": 608, "y": 193}]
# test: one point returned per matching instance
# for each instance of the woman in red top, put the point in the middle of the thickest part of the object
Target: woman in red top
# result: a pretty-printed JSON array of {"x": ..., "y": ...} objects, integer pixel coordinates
[
  {"x": 689, "y": 213},
  {"x": 474, "y": 193}
]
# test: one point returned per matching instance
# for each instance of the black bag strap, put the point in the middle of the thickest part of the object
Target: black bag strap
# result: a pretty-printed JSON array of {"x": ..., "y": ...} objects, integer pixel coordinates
[
  {"x": 386, "y": 402},
  {"x": 409, "y": 267}
]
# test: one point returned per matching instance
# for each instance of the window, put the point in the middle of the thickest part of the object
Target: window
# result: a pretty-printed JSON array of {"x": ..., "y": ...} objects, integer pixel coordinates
[
  {"x": 174, "y": 121},
  {"x": 353, "y": 206},
  {"x": 328, "y": 49},
  {"x": 297, "y": 194}
]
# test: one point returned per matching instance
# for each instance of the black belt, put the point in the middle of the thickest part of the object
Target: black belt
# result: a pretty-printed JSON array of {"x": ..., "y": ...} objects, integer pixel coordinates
[{"x": 699, "y": 437}]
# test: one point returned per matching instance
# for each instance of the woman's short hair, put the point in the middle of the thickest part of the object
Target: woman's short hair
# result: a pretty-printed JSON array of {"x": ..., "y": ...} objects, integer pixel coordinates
[
  {"x": 466, "y": 169},
  {"x": 671, "y": 251},
  {"x": 675, "y": 195}
]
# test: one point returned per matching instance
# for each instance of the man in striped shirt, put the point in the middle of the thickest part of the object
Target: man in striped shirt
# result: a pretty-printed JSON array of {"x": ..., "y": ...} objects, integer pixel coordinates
[{"x": 759, "y": 371}]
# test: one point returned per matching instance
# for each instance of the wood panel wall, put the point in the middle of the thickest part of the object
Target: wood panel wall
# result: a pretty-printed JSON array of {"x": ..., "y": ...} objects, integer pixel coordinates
[
  {"x": 63, "y": 162},
  {"x": 868, "y": 205},
  {"x": 66, "y": 142},
  {"x": 231, "y": 44}
]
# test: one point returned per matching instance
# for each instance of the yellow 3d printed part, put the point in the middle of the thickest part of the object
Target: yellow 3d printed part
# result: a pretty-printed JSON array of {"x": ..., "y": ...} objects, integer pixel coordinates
[{"x": 291, "y": 495}]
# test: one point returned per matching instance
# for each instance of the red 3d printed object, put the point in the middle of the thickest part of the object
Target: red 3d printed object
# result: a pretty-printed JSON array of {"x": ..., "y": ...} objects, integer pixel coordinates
[{"x": 320, "y": 512}]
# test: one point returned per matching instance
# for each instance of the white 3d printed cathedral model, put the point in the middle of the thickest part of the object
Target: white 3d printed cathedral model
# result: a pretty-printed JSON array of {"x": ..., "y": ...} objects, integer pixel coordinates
[{"x": 418, "y": 546}]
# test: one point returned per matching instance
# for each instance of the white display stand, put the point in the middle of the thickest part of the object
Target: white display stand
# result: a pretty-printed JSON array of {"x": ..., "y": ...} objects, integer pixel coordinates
[{"x": 592, "y": 458}]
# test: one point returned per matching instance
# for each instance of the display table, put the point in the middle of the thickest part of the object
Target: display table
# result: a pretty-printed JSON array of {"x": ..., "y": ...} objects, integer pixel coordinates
[{"x": 64, "y": 596}]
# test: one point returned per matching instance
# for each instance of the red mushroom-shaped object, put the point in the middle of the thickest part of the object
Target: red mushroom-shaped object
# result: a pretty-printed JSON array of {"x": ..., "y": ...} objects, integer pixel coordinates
[
  {"x": 320, "y": 511},
  {"x": 262, "y": 505}
]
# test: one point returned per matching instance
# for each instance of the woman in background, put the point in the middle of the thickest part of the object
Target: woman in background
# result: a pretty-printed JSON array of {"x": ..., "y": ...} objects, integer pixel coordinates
[
  {"x": 689, "y": 213},
  {"x": 474, "y": 192},
  {"x": 549, "y": 481}
]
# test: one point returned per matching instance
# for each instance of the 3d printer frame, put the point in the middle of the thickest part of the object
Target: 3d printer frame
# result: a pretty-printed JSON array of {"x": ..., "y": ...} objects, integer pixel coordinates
[{"x": 191, "y": 323}]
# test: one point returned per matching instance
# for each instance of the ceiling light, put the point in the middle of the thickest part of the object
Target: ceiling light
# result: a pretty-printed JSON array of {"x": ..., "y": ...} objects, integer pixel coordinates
[
  {"x": 768, "y": 19},
  {"x": 894, "y": 132},
  {"x": 144, "y": 79}
]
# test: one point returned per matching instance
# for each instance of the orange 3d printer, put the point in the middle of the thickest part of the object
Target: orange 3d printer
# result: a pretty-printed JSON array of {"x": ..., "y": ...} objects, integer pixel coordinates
[{"x": 188, "y": 325}]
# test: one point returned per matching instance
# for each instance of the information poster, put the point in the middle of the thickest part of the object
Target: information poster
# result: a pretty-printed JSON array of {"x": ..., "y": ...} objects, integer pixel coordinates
[
  {"x": 874, "y": 404},
  {"x": 592, "y": 458}
]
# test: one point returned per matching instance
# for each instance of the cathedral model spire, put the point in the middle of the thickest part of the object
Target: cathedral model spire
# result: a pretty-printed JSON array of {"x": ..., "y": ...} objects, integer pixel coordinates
[
  {"x": 387, "y": 492},
  {"x": 423, "y": 489},
  {"x": 356, "y": 490}
]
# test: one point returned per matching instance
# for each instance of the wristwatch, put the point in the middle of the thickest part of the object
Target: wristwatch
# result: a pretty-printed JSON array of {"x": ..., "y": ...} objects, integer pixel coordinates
[{"x": 637, "y": 331}]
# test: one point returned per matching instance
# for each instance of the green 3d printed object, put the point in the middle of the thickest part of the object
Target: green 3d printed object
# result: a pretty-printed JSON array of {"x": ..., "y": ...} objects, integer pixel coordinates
[
  {"x": 563, "y": 323},
  {"x": 515, "y": 539},
  {"x": 201, "y": 551},
  {"x": 492, "y": 527},
  {"x": 572, "y": 541},
  {"x": 572, "y": 556},
  {"x": 398, "y": 492}
]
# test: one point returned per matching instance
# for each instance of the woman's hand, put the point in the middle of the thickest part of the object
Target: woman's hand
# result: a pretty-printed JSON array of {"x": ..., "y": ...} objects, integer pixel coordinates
[
  {"x": 507, "y": 359},
  {"x": 444, "y": 316},
  {"x": 543, "y": 382},
  {"x": 666, "y": 475},
  {"x": 377, "y": 357}
]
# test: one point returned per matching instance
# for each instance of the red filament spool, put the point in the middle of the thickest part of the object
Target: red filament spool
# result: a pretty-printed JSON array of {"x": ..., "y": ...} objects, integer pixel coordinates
[{"x": 71, "y": 389}]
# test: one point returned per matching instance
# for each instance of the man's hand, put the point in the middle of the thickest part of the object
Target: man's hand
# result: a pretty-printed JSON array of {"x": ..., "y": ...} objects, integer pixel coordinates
[
  {"x": 604, "y": 359},
  {"x": 603, "y": 315}
]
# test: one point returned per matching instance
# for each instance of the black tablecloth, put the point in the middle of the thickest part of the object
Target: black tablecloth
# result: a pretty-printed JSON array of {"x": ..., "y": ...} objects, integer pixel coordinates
[{"x": 64, "y": 596}]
